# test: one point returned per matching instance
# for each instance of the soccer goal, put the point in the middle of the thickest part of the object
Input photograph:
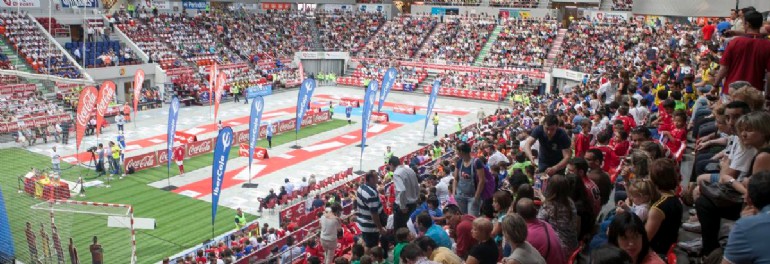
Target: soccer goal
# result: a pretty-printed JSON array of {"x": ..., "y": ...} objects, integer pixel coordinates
[{"x": 90, "y": 229}]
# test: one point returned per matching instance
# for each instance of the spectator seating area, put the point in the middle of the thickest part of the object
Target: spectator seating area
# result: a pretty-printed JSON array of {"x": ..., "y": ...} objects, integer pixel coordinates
[
  {"x": 515, "y": 3},
  {"x": 458, "y": 40},
  {"x": 34, "y": 47},
  {"x": 402, "y": 35},
  {"x": 101, "y": 54},
  {"x": 408, "y": 77},
  {"x": 188, "y": 37},
  {"x": 522, "y": 44},
  {"x": 56, "y": 29},
  {"x": 481, "y": 80},
  {"x": 147, "y": 41},
  {"x": 24, "y": 111},
  {"x": 345, "y": 30},
  {"x": 453, "y": 2},
  {"x": 622, "y": 5},
  {"x": 267, "y": 36}
]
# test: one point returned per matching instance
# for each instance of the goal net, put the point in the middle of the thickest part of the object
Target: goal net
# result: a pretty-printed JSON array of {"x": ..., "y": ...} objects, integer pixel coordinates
[{"x": 58, "y": 226}]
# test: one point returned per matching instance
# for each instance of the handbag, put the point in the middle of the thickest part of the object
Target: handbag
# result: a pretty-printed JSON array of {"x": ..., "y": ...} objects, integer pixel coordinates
[{"x": 721, "y": 194}]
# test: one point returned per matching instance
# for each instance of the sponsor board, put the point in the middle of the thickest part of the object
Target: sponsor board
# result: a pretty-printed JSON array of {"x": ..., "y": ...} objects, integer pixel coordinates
[
  {"x": 200, "y": 147},
  {"x": 141, "y": 162},
  {"x": 79, "y": 3},
  {"x": 20, "y": 3},
  {"x": 380, "y": 117}
]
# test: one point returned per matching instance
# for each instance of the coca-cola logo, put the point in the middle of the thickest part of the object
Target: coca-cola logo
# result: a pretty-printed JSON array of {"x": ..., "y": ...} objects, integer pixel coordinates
[
  {"x": 199, "y": 147},
  {"x": 105, "y": 96},
  {"x": 286, "y": 125},
  {"x": 320, "y": 118},
  {"x": 3, "y": 127},
  {"x": 86, "y": 106},
  {"x": 141, "y": 162},
  {"x": 243, "y": 136},
  {"x": 162, "y": 156}
]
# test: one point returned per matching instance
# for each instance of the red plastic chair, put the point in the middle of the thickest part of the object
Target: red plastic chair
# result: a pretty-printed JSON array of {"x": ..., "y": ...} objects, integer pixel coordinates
[
  {"x": 575, "y": 253},
  {"x": 671, "y": 255}
]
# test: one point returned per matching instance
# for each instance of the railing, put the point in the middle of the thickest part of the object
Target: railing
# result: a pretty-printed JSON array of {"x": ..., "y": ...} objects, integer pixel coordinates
[{"x": 63, "y": 51}]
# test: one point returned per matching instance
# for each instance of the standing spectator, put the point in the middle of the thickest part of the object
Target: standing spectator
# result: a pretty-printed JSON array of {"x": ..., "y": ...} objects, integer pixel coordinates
[
  {"x": 407, "y": 191},
  {"x": 114, "y": 158},
  {"x": 746, "y": 58},
  {"x": 270, "y": 130},
  {"x": 435, "y": 124},
  {"x": 368, "y": 211},
  {"x": 515, "y": 234},
  {"x": 120, "y": 121},
  {"x": 486, "y": 250},
  {"x": 708, "y": 31},
  {"x": 554, "y": 149},
  {"x": 289, "y": 186},
  {"x": 100, "y": 153},
  {"x": 330, "y": 225},
  {"x": 467, "y": 189},
  {"x": 55, "y": 160}
]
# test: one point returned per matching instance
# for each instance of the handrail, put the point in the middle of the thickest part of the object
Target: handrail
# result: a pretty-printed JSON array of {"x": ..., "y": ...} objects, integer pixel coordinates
[{"x": 65, "y": 52}]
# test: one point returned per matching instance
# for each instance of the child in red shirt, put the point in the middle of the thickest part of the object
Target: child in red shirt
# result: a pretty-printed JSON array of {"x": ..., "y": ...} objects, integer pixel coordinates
[
  {"x": 676, "y": 136},
  {"x": 665, "y": 121},
  {"x": 620, "y": 143},
  {"x": 583, "y": 140}
]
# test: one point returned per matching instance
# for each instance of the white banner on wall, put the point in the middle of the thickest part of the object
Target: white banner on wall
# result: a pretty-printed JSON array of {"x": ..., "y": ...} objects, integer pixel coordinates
[
  {"x": 160, "y": 4},
  {"x": 601, "y": 15},
  {"x": 20, "y": 3},
  {"x": 332, "y": 7}
]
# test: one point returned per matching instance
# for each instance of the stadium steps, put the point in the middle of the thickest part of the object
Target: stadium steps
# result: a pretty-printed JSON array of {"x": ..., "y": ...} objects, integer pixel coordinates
[
  {"x": 606, "y": 5},
  {"x": 488, "y": 46},
  {"x": 555, "y": 49},
  {"x": 316, "y": 44},
  {"x": 21, "y": 65},
  {"x": 545, "y": 4},
  {"x": 433, "y": 30},
  {"x": 427, "y": 82}
]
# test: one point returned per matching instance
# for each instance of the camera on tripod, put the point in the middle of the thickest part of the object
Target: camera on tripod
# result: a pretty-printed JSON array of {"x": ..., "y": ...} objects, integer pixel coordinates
[{"x": 91, "y": 149}]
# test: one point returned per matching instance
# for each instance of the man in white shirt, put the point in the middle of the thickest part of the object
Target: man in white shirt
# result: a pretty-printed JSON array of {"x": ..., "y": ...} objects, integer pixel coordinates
[
  {"x": 120, "y": 121},
  {"x": 495, "y": 156},
  {"x": 288, "y": 186},
  {"x": 55, "y": 160},
  {"x": 608, "y": 90},
  {"x": 639, "y": 112}
]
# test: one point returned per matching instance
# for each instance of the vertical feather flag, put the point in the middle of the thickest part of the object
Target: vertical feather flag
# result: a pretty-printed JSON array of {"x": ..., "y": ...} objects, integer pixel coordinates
[
  {"x": 106, "y": 93},
  {"x": 221, "y": 79},
  {"x": 431, "y": 102},
  {"x": 138, "y": 81},
  {"x": 387, "y": 83},
  {"x": 303, "y": 99},
  {"x": 255, "y": 120},
  {"x": 221, "y": 153},
  {"x": 86, "y": 105},
  {"x": 369, "y": 97},
  {"x": 173, "y": 114},
  {"x": 212, "y": 82}
]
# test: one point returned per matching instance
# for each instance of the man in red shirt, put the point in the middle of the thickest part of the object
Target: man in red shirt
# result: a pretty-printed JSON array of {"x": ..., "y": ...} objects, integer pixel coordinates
[
  {"x": 708, "y": 31},
  {"x": 460, "y": 226},
  {"x": 747, "y": 57},
  {"x": 179, "y": 158}
]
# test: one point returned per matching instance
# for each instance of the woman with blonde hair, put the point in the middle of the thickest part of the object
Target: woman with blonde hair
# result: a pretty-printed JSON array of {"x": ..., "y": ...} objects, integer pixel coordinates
[
  {"x": 754, "y": 131},
  {"x": 515, "y": 234}
]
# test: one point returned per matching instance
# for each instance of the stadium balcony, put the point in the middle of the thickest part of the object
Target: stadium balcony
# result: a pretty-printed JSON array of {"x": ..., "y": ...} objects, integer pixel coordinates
[
  {"x": 101, "y": 54},
  {"x": 622, "y": 5},
  {"x": 515, "y": 3},
  {"x": 404, "y": 35},
  {"x": 522, "y": 43},
  {"x": 35, "y": 48},
  {"x": 56, "y": 29},
  {"x": 458, "y": 40},
  {"x": 346, "y": 31}
]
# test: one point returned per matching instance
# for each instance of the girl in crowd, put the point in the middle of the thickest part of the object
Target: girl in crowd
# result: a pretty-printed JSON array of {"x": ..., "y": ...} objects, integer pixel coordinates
[{"x": 627, "y": 232}]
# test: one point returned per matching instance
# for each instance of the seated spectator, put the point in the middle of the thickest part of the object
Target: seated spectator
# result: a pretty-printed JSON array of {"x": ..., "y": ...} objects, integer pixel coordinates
[
  {"x": 627, "y": 232},
  {"x": 540, "y": 234},
  {"x": 425, "y": 225},
  {"x": 515, "y": 233}
]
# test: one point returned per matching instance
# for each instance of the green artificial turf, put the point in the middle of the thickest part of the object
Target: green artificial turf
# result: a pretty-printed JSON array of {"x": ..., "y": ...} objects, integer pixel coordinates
[{"x": 182, "y": 222}]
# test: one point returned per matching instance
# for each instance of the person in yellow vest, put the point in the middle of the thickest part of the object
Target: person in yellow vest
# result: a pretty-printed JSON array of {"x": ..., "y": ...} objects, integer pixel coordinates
[
  {"x": 388, "y": 154},
  {"x": 115, "y": 158},
  {"x": 459, "y": 125},
  {"x": 435, "y": 124},
  {"x": 240, "y": 219},
  {"x": 236, "y": 91},
  {"x": 437, "y": 150}
]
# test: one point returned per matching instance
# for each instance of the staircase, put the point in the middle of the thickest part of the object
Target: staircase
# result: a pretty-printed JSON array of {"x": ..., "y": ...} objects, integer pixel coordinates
[
  {"x": 555, "y": 49},
  {"x": 488, "y": 46},
  {"x": 316, "y": 44},
  {"x": 21, "y": 65},
  {"x": 427, "y": 82}
]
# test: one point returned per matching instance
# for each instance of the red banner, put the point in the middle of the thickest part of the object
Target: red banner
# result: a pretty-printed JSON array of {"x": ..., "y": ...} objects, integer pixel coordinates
[
  {"x": 86, "y": 104},
  {"x": 141, "y": 162},
  {"x": 221, "y": 79},
  {"x": 106, "y": 93},
  {"x": 380, "y": 117},
  {"x": 350, "y": 101},
  {"x": 465, "y": 93},
  {"x": 138, "y": 81},
  {"x": 212, "y": 82},
  {"x": 259, "y": 153},
  {"x": 184, "y": 138},
  {"x": 276, "y": 6},
  {"x": 200, "y": 147},
  {"x": 405, "y": 109},
  {"x": 291, "y": 212}
]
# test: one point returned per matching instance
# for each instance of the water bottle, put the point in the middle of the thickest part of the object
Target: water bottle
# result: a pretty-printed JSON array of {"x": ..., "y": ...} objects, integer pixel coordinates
[{"x": 538, "y": 182}]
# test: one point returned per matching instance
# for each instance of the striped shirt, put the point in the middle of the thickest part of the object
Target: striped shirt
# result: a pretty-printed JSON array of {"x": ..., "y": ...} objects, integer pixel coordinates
[{"x": 367, "y": 202}]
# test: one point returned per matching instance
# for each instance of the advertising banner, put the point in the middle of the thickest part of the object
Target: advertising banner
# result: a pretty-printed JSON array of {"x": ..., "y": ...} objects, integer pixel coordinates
[
  {"x": 259, "y": 90},
  {"x": 20, "y": 3},
  {"x": 86, "y": 105},
  {"x": 387, "y": 83},
  {"x": 195, "y": 4},
  {"x": 106, "y": 93},
  {"x": 79, "y": 3},
  {"x": 138, "y": 81},
  {"x": 219, "y": 166}
]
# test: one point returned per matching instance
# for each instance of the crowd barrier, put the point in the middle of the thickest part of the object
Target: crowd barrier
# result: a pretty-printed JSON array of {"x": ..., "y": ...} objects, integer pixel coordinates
[{"x": 203, "y": 146}]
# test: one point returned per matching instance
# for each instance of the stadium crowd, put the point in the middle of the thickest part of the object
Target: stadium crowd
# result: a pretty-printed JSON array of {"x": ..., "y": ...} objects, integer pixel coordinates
[
  {"x": 522, "y": 43},
  {"x": 595, "y": 172},
  {"x": 403, "y": 35},
  {"x": 34, "y": 47},
  {"x": 458, "y": 40},
  {"x": 346, "y": 31}
]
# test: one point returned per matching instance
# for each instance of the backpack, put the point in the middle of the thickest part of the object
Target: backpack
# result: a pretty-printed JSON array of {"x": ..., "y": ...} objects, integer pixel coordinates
[{"x": 490, "y": 185}]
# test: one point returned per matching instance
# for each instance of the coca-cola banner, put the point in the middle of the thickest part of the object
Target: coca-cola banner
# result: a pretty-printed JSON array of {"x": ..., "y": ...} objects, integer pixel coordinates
[
  {"x": 106, "y": 93},
  {"x": 141, "y": 162},
  {"x": 200, "y": 147},
  {"x": 86, "y": 104}
]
